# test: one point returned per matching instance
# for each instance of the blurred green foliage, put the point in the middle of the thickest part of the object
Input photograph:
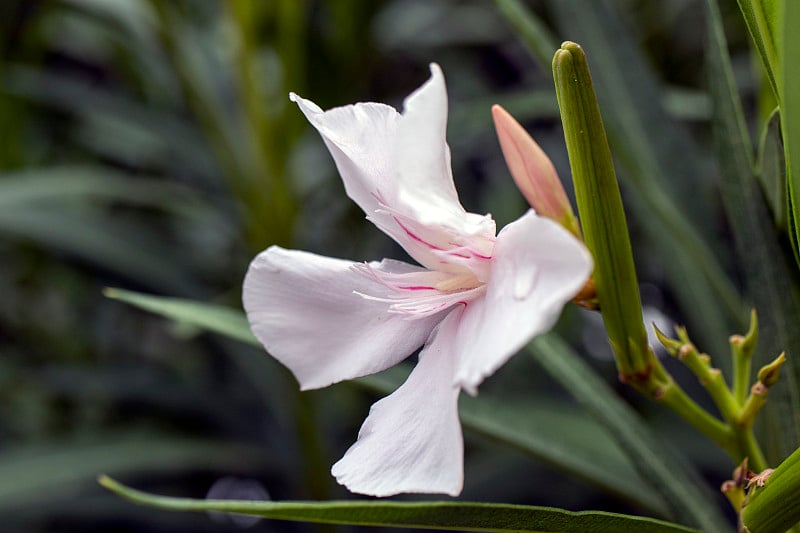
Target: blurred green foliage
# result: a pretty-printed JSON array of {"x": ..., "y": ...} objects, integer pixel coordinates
[{"x": 151, "y": 145}]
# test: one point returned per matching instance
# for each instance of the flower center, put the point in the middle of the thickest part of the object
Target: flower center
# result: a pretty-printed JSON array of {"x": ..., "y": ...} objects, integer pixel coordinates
[
  {"x": 420, "y": 293},
  {"x": 458, "y": 282}
]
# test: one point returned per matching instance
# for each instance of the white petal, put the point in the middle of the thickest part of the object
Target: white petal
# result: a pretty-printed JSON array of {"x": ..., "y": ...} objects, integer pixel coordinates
[
  {"x": 537, "y": 267},
  {"x": 421, "y": 152},
  {"x": 425, "y": 192},
  {"x": 303, "y": 309},
  {"x": 397, "y": 169},
  {"x": 411, "y": 441},
  {"x": 361, "y": 139},
  {"x": 425, "y": 189}
]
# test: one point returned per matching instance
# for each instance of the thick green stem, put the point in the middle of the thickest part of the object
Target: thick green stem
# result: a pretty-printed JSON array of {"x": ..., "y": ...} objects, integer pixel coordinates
[
  {"x": 748, "y": 446},
  {"x": 753, "y": 404},
  {"x": 713, "y": 381},
  {"x": 741, "y": 370},
  {"x": 679, "y": 402}
]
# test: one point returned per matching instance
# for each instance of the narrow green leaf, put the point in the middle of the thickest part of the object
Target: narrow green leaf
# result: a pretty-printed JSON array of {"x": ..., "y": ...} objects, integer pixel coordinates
[
  {"x": 789, "y": 98},
  {"x": 771, "y": 168},
  {"x": 255, "y": 172},
  {"x": 564, "y": 438},
  {"x": 162, "y": 134},
  {"x": 580, "y": 446},
  {"x": 680, "y": 487},
  {"x": 537, "y": 37},
  {"x": 34, "y": 473},
  {"x": 681, "y": 103},
  {"x": 766, "y": 267},
  {"x": 456, "y": 516},
  {"x": 216, "y": 318},
  {"x": 760, "y": 16},
  {"x": 57, "y": 185},
  {"x": 93, "y": 236}
]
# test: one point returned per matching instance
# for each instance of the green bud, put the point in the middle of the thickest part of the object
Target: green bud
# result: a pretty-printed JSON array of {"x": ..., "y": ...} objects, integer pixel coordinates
[
  {"x": 747, "y": 344},
  {"x": 769, "y": 374},
  {"x": 600, "y": 208},
  {"x": 672, "y": 346},
  {"x": 742, "y": 348}
]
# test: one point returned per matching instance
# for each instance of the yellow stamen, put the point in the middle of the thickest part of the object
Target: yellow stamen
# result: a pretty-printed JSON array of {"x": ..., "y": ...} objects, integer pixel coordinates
[{"x": 458, "y": 282}]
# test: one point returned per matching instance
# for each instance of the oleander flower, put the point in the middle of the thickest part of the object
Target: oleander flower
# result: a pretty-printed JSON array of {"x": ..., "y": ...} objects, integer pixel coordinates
[{"x": 477, "y": 298}]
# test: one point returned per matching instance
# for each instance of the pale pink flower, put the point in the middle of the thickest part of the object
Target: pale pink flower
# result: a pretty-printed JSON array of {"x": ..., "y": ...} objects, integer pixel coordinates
[{"x": 475, "y": 301}]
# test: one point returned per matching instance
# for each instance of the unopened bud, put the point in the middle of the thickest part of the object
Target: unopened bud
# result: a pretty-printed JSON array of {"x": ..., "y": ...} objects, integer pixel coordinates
[
  {"x": 751, "y": 338},
  {"x": 533, "y": 172},
  {"x": 769, "y": 374},
  {"x": 745, "y": 345},
  {"x": 672, "y": 346}
]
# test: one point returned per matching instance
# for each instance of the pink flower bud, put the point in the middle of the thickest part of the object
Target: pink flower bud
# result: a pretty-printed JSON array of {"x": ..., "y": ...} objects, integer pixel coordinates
[{"x": 533, "y": 172}]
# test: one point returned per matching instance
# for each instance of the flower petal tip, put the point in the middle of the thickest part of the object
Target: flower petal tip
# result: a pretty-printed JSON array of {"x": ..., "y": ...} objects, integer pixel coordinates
[{"x": 435, "y": 69}]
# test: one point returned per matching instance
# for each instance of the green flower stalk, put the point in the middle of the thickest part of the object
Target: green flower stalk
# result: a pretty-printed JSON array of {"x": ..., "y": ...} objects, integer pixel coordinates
[
  {"x": 738, "y": 413},
  {"x": 742, "y": 348},
  {"x": 767, "y": 377}
]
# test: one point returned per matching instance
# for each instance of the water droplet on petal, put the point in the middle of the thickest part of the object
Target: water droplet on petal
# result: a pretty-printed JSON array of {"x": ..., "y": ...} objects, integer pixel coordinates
[
  {"x": 269, "y": 266},
  {"x": 524, "y": 285}
]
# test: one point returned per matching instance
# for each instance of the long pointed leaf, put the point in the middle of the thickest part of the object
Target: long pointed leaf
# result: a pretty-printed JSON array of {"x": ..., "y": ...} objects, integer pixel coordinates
[
  {"x": 678, "y": 485},
  {"x": 456, "y": 516},
  {"x": 764, "y": 262},
  {"x": 165, "y": 135},
  {"x": 61, "y": 184},
  {"x": 789, "y": 98},
  {"x": 771, "y": 168},
  {"x": 32, "y": 474},
  {"x": 761, "y": 18},
  {"x": 223, "y": 320},
  {"x": 539, "y": 40},
  {"x": 94, "y": 236}
]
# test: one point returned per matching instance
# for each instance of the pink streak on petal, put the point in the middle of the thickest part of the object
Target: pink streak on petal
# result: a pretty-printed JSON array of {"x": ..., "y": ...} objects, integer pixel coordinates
[{"x": 414, "y": 236}]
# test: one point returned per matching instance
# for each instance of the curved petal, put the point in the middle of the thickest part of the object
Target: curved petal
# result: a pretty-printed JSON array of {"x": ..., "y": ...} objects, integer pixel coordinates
[
  {"x": 537, "y": 267},
  {"x": 361, "y": 139},
  {"x": 421, "y": 152},
  {"x": 305, "y": 310},
  {"x": 397, "y": 169},
  {"x": 411, "y": 441},
  {"x": 425, "y": 195}
]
